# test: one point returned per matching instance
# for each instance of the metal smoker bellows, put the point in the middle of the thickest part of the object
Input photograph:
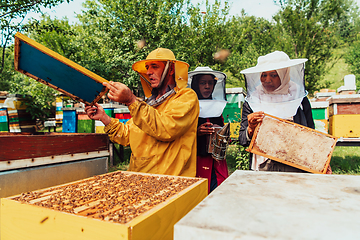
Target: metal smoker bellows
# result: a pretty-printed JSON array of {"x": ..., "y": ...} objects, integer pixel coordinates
[{"x": 220, "y": 142}]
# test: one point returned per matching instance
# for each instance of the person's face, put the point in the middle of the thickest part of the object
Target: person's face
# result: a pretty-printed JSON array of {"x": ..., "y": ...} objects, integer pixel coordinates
[
  {"x": 154, "y": 72},
  {"x": 270, "y": 80},
  {"x": 206, "y": 85}
]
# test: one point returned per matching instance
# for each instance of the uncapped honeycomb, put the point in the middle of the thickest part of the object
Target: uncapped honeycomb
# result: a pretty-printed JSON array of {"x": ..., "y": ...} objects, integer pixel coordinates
[{"x": 117, "y": 197}]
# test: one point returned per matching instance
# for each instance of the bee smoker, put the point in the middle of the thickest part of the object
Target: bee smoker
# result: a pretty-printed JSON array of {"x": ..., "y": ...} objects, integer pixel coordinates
[{"x": 220, "y": 142}]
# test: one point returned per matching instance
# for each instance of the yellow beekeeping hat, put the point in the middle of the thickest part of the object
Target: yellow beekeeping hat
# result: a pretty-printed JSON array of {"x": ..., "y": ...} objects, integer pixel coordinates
[{"x": 161, "y": 54}]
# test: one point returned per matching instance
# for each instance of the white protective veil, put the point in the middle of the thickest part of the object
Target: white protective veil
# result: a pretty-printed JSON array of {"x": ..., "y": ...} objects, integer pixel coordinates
[
  {"x": 214, "y": 106},
  {"x": 284, "y": 101}
]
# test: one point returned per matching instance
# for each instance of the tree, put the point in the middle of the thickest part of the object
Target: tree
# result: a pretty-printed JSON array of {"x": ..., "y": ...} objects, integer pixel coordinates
[
  {"x": 112, "y": 30},
  {"x": 353, "y": 59},
  {"x": 310, "y": 29},
  {"x": 57, "y": 35},
  {"x": 248, "y": 37},
  {"x": 12, "y": 15},
  {"x": 204, "y": 35}
]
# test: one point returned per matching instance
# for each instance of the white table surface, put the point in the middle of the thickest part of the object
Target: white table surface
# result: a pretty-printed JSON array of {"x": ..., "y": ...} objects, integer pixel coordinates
[{"x": 272, "y": 205}]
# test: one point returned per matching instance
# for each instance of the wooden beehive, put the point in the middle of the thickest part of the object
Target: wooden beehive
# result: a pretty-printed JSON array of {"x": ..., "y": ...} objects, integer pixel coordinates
[
  {"x": 293, "y": 144},
  {"x": 344, "y": 111},
  {"x": 118, "y": 205},
  {"x": 52, "y": 69}
]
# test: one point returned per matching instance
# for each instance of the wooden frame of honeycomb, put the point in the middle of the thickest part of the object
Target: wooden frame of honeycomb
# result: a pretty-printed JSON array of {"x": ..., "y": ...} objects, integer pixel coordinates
[
  {"x": 118, "y": 205},
  {"x": 293, "y": 144}
]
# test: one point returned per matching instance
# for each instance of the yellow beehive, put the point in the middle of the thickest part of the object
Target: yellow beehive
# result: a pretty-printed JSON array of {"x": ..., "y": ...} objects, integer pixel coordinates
[
  {"x": 344, "y": 112},
  {"x": 345, "y": 125},
  {"x": 119, "y": 205}
]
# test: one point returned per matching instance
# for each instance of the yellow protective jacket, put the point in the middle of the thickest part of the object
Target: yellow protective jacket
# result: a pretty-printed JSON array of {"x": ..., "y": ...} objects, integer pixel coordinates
[{"x": 162, "y": 138}]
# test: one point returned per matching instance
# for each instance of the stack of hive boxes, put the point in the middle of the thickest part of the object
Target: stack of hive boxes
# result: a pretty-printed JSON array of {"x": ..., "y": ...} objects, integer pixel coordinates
[
  {"x": 59, "y": 112},
  {"x": 4, "y": 126},
  {"x": 19, "y": 119},
  {"x": 320, "y": 115},
  {"x": 123, "y": 114}
]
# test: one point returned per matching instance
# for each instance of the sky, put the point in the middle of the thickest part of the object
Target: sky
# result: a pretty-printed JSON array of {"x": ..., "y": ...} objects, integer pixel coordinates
[{"x": 258, "y": 8}]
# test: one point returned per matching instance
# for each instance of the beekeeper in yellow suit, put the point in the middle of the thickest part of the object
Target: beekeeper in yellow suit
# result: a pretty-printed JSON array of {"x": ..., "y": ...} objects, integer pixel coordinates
[{"x": 162, "y": 130}]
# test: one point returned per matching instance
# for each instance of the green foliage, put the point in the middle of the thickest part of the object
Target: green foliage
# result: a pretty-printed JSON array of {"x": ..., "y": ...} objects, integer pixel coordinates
[
  {"x": 12, "y": 15},
  {"x": 18, "y": 8},
  {"x": 8, "y": 72},
  {"x": 118, "y": 164},
  {"x": 334, "y": 78},
  {"x": 55, "y": 34},
  {"x": 312, "y": 29},
  {"x": 112, "y": 35},
  {"x": 204, "y": 35},
  {"x": 111, "y": 31},
  {"x": 302, "y": 35},
  {"x": 247, "y": 39},
  {"x": 41, "y": 103},
  {"x": 352, "y": 58},
  {"x": 237, "y": 158}
]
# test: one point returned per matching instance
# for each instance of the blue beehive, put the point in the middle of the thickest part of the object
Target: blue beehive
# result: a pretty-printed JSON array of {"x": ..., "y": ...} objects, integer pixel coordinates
[
  {"x": 69, "y": 120},
  {"x": 4, "y": 125}
]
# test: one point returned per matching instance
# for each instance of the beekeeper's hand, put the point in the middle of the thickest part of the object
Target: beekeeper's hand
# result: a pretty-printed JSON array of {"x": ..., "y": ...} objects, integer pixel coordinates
[
  {"x": 206, "y": 128},
  {"x": 96, "y": 112},
  {"x": 119, "y": 92},
  {"x": 254, "y": 119}
]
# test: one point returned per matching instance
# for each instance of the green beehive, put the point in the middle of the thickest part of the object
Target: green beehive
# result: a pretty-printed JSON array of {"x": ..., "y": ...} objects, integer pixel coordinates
[
  {"x": 232, "y": 110},
  {"x": 84, "y": 123}
]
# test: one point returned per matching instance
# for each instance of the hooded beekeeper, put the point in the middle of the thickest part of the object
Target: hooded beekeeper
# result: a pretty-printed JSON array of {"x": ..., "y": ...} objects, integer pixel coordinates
[
  {"x": 274, "y": 86},
  {"x": 162, "y": 130},
  {"x": 209, "y": 86}
]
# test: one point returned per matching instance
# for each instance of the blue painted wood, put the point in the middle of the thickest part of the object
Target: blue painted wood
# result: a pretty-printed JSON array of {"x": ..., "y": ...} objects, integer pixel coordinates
[
  {"x": 3, "y": 119},
  {"x": 3, "y": 115},
  {"x": 57, "y": 73},
  {"x": 69, "y": 121}
]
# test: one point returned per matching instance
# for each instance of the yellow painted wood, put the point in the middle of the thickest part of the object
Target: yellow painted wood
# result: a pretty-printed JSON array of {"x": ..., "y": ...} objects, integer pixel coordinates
[
  {"x": 345, "y": 125},
  {"x": 17, "y": 104},
  {"x": 234, "y": 130},
  {"x": 159, "y": 222},
  {"x": 99, "y": 129},
  {"x": 322, "y": 125},
  {"x": 24, "y": 221}
]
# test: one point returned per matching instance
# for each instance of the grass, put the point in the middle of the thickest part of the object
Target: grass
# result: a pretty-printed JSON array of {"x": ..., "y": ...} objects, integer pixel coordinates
[
  {"x": 118, "y": 163},
  {"x": 344, "y": 160}
]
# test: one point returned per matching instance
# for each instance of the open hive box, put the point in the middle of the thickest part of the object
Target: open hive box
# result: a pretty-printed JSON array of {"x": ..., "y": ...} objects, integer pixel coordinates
[
  {"x": 119, "y": 205},
  {"x": 293, "y": 144}
]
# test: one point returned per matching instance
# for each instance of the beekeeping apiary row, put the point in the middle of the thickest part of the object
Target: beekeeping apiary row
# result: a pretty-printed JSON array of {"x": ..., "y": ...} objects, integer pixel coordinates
[{"x": 125, "y": 198}]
